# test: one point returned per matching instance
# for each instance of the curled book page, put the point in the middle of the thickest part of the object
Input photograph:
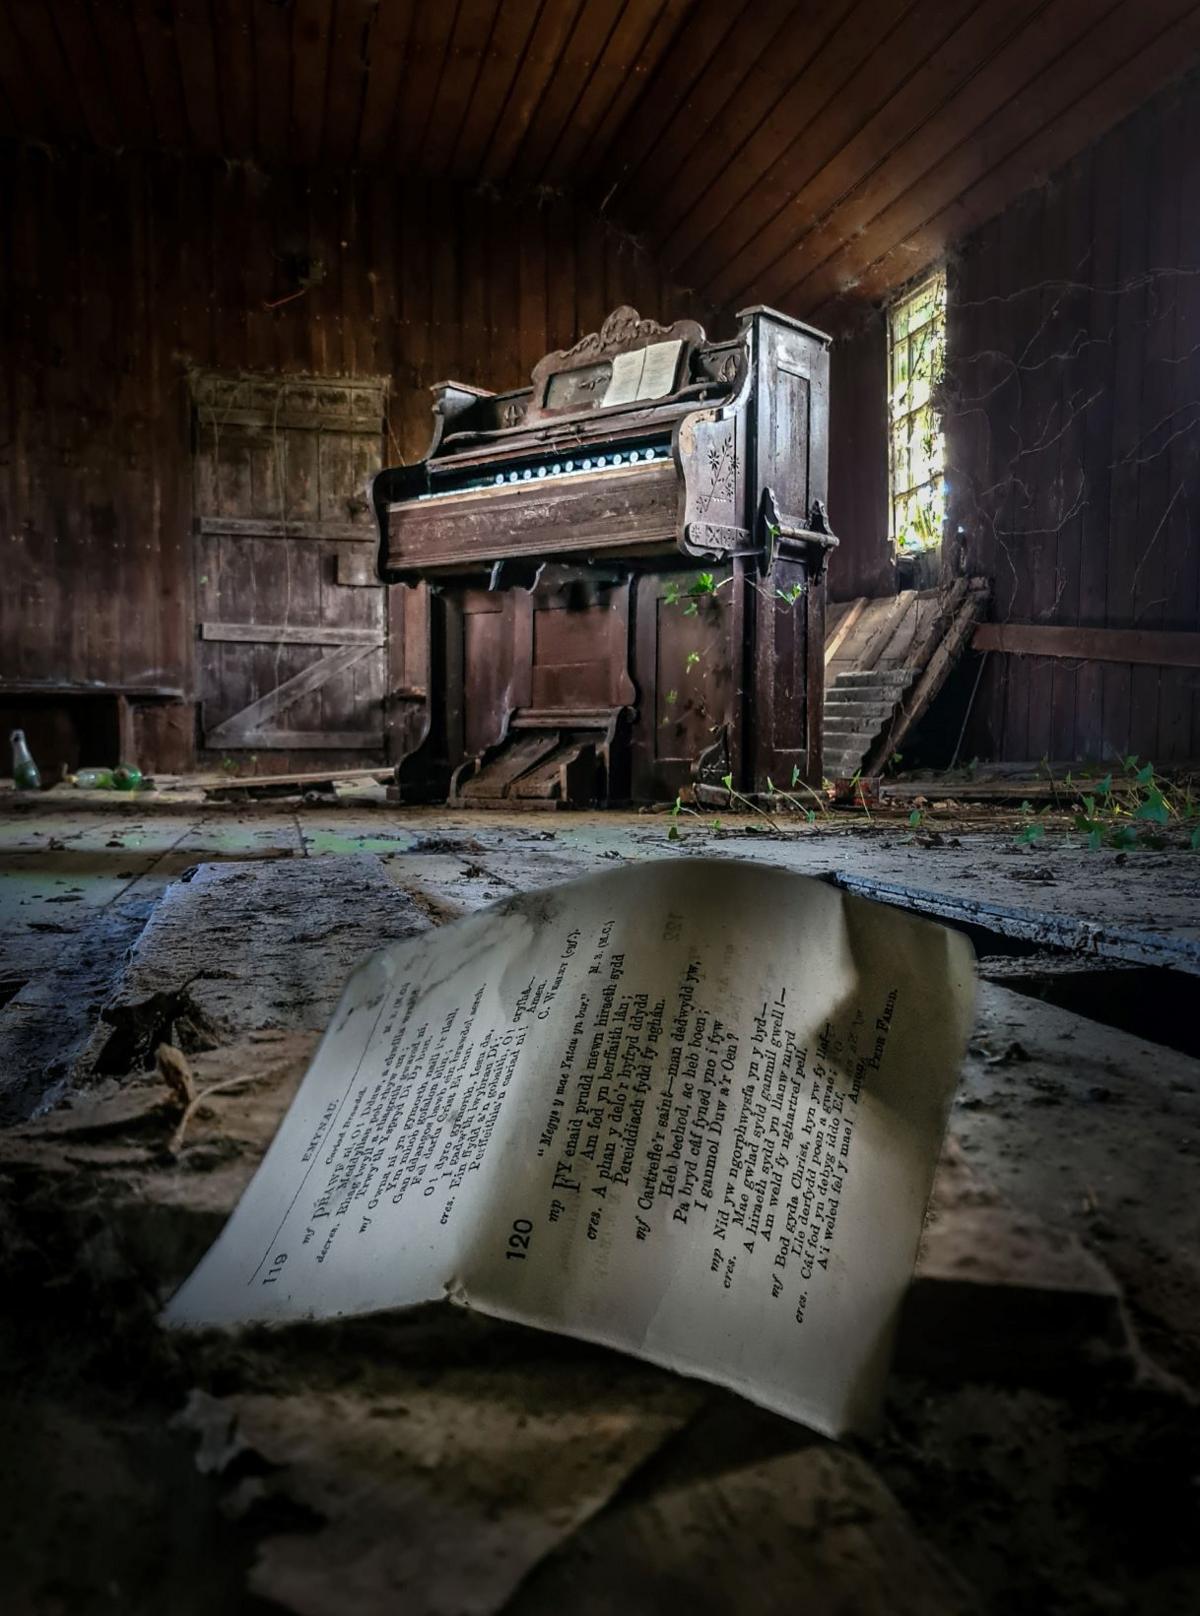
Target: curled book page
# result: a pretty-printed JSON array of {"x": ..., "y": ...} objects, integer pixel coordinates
[{"x": 689, "y": 1108}]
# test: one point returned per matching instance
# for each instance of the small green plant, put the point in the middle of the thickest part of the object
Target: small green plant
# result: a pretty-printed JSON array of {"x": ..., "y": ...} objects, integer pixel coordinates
[
  {"x": 774, "y": 791},
  {"x": 693, "y": 658},
  {"x": 671, "y": 697},
  {"x": 856, "y": 790},
  {"x": 914, "y": 819},
  {"x": 791, "y": 594},
  {"x": 736, "y": 796},
  {"x": 1129, "y": 813}
]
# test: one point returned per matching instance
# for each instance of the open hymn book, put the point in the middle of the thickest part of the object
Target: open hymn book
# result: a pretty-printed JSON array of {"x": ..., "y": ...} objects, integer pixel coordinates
[{"x": 687, "y": 1108}]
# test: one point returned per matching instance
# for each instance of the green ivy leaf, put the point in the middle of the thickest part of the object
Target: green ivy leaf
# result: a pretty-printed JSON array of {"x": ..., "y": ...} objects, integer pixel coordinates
[
  {"x": 1154, "y": 808},
  {"x": 727, "y": 781}
]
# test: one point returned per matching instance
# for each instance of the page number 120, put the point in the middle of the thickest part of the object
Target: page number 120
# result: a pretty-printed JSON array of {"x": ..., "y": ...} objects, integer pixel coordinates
[{"x": 518, "y": 1240}]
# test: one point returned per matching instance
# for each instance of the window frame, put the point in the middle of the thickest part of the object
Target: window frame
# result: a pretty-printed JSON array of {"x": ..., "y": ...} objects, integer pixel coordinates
[{"x": 920, "y": 412}]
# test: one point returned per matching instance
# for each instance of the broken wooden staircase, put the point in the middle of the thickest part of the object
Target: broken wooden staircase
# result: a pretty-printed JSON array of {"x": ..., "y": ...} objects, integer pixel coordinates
[{"x": 885, "y": 661}]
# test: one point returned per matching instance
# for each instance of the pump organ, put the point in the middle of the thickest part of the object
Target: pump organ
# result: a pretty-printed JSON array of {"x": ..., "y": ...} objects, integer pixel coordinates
[{"x": 625, "y": 568}]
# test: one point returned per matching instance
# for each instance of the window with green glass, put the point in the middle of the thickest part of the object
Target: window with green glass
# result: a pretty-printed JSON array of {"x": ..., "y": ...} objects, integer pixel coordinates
[{"x": 916, "y": 351}]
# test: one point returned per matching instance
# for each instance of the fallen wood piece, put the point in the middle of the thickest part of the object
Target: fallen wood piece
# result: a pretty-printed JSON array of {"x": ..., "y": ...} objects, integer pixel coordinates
[
  {"x": 1014, "y": 790},
  {"x": 716, "y": 1525},
  {"x": 244, "y": 945},
  {"x": 433, "y": 1493},
  {"x": 304, "y": 777},
  {"x": 999, "y": 1295}
]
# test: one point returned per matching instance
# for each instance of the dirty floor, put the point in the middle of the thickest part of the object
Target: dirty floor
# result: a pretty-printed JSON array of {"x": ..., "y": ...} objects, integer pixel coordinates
[{"x": 1039, "y": 1450}]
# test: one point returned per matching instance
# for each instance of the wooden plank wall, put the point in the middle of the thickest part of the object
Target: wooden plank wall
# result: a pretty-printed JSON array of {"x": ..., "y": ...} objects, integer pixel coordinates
[
  {"x": 118, "y": 273},
  {"x": 1073, "y": 440},
  {"x": 863, "y": 563}
]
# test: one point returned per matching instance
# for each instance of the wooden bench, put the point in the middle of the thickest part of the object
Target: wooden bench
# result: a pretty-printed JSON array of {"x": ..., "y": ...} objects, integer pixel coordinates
[{"x": 80, "y": 700}]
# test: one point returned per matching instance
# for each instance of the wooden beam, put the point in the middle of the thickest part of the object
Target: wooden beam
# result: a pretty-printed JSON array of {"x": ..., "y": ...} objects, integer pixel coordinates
[
  {"x": 262, "y": 527},
  {"x": 845, "y": 623},
  {"x": 296, "y": 740},
  {"x": 248, "y": 727},
  {"x": 1154, "y": 647},
  {"x": 304, "y": 777},
  {"x": 288, "y": 634}
]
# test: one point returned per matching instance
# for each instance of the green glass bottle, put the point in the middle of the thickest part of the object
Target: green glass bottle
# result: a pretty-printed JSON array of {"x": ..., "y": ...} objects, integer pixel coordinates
[{"x": 25, "y": 770}]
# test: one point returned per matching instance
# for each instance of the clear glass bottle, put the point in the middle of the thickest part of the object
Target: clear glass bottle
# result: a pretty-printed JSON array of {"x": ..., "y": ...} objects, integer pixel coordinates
[{"x": 25, "y": 771}]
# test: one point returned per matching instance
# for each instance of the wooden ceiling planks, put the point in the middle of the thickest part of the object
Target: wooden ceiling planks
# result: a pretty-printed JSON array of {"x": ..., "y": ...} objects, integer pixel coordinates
[
  {"x": 347, "y": 80},
  {"x": 312, "y": 22},
  {"x": 633, "y": 51},
  {"x": 465, "y": 57},
  {"x": 272, "y": 41},
  {"x": 674, "y": 174},
  {"x": 428, "y": 43},
  {"x": 387, "y": 50},
  {"x": 811, "y": 153},
  {"x": 656, "y": 117},
  {"x": 912, "y": 75},
  {"x": 568, "y": 82},
  {"x": 1138, "y": 72},
  {"x": 899, "y": 234},
  {"x": 543, "y": 58},
  {"x": 825, "y": 76},
  {"x": 823, "y": 260},
  {"x": 510, "y": 37}
]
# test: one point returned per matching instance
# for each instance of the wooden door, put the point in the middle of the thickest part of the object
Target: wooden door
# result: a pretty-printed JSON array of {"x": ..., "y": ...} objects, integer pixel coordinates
[{"x": 292, "y": 653}]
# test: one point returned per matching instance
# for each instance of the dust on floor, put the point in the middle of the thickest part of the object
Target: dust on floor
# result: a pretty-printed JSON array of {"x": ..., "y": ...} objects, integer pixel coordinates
[{"x": 439, "y": 1462}]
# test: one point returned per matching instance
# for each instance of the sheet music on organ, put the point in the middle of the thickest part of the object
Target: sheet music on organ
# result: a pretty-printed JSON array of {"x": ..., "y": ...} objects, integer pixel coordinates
[
  {"x": 643, "y": 374},
  {"x": 689, "y": 1108}
]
